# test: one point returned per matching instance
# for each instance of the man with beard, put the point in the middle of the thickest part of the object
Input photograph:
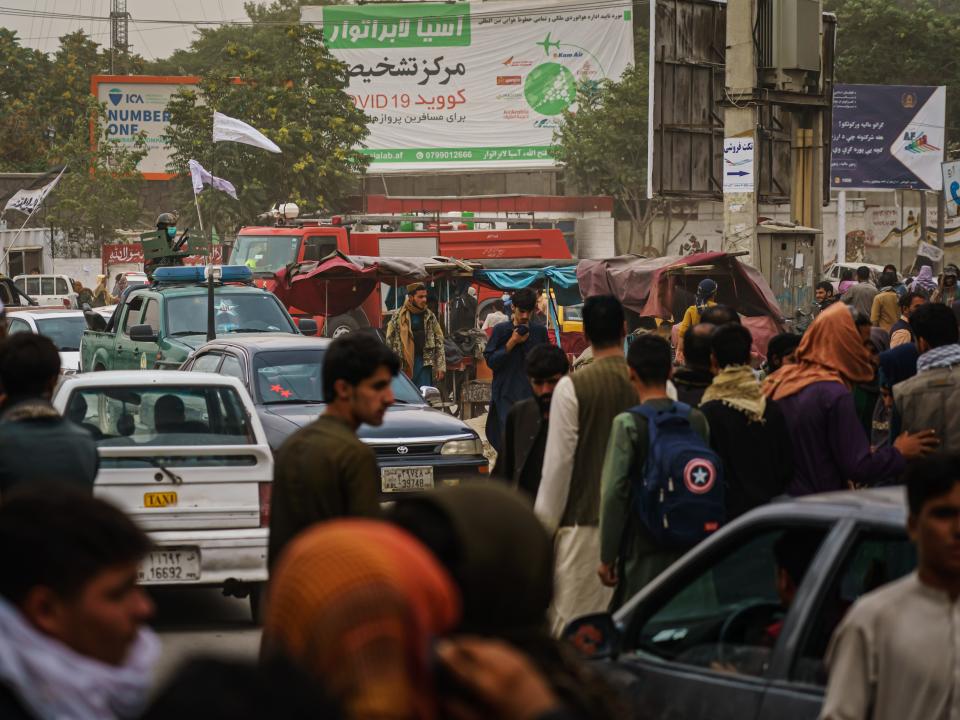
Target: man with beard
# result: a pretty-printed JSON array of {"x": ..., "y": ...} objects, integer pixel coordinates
[
  {"x": 525, "y": 436},
  {"x": 415, "y": 335}
]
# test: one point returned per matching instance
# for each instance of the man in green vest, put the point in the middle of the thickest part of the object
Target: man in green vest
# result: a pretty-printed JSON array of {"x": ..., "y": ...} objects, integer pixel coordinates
[{"x": 568, "y": 501}]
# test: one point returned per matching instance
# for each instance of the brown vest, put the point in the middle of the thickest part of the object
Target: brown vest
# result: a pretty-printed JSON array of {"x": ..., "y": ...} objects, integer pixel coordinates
[{"x": 603, "y": 391}]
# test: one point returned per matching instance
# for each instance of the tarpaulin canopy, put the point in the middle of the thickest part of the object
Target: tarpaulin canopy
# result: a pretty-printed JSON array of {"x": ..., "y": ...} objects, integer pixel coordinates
[{"x": 562, "y": 280}]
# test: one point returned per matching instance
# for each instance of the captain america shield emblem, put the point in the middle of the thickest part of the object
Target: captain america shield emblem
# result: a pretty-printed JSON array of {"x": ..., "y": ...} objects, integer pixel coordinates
[{"x": 699, "y": 476}]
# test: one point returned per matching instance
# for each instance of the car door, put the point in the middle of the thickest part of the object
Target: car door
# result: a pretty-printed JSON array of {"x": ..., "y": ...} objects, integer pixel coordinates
[
  {"x": 18, "y": 325},
  {"x": 701, "y": 644},
  {"x": 145, "y": 353},
  {"x": 871, "y": 556},
  {"x": 126, "y": 356}
]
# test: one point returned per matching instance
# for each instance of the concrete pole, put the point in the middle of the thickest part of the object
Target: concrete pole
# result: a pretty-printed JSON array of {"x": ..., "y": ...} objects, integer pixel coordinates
[
  {"x": 842, "y": 226},
  {"x": 740, "y": 121}
]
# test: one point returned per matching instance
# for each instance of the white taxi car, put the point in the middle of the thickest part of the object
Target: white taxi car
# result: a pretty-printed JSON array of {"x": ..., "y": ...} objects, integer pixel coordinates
[{"x": 185, "y": 455}]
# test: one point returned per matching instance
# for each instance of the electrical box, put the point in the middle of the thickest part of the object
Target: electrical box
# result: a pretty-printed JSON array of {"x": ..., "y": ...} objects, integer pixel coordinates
[{"x": 789, "y": 44}]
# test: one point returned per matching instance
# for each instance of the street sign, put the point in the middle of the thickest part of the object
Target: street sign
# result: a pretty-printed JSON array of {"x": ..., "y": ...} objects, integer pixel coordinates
[
  {"x": 951, "y": 187},
  {"x": 738, "y": 165}
]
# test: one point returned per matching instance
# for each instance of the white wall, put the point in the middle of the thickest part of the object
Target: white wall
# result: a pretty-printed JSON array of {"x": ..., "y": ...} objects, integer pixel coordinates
[{"x": 83, "y": 269}]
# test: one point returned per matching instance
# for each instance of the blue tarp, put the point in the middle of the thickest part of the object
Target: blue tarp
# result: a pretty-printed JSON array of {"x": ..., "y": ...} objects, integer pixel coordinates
[{"x": 563, "y": 281}]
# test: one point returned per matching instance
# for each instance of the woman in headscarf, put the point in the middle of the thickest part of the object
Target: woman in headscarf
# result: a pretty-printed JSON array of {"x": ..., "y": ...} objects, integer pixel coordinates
[
  {"x": 501, "y": 558},
  {"x": 705, "y": 297},
  {"x": 924, "y": 282},
  {"x": 831, "y": 450},
  {"x": 357, "y": 604},
  {"x": 896, "y": 365}
]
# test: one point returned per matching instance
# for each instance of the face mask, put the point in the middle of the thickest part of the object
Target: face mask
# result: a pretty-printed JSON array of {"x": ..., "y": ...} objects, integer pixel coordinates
[{"x": 171, "y": 232}]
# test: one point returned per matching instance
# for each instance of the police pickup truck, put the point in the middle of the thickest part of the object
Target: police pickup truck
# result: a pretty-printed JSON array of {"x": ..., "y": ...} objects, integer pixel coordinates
[{"x": 160, "y": 325}]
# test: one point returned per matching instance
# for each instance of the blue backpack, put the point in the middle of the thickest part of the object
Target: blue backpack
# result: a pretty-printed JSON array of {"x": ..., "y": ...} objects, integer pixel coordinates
[{"x": 679, "y": 493}]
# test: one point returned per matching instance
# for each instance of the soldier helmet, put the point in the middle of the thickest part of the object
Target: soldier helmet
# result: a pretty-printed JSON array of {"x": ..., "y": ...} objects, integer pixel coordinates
[{"x": 166, "y": 219}]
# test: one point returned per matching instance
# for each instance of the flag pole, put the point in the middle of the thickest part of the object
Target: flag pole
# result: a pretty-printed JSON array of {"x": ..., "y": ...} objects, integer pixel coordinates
[
  {"x": 211, "y": 323},
  {"x": 16, "y": 237}
]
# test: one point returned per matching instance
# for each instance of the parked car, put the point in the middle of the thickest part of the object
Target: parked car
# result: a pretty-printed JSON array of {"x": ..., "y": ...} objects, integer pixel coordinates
[
  {"x": 48, "y": 290},
  {"x": 717, "y": 636},
  {"x": 186, "y": 456},
  {"x": 418, "y": 447},
  {"x": 63, "y": 327},
  {"x": 833, "y": 272}
]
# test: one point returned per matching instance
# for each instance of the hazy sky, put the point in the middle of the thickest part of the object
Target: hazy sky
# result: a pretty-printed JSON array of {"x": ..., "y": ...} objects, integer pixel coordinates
[{"x": 148, "y": 39}]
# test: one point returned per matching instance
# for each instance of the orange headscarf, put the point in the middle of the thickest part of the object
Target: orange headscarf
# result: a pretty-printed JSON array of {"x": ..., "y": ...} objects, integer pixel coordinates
[
  {"x": 831, "y": 351},
  {"x": 356, "y": 603}
]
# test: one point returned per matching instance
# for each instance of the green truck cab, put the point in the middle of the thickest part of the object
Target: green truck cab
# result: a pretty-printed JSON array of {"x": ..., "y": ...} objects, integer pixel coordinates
[{"x": 159, "y": 326}]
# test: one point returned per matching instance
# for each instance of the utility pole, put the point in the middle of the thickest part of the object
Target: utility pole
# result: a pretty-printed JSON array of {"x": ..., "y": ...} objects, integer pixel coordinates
[
  {"x": 740, "y": 120},
  {"x": 119, "y": 32}
]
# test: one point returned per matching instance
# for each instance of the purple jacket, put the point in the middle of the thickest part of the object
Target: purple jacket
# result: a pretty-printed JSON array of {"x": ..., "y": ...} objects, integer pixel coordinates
[{"x": 829, "y": 444}]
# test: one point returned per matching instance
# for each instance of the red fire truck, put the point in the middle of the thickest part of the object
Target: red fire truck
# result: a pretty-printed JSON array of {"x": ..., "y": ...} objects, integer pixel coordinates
[{"x": 267, "y": 249}]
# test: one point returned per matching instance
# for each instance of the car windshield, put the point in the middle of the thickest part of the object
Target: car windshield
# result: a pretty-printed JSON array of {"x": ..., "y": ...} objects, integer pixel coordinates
[
  {"x": 265, "y": 253},
  {"x": 573, "y": 312},
  {"x": 233, "y": 312},
  {"x": 65, "y": 332},
  {"x": 161, "y": 415},
  {"x": 292, "y": 376}
]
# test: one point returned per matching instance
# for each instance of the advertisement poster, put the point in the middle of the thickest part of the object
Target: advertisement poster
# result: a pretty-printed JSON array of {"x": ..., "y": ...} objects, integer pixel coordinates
[
  {"x": 951, "y": 187},
  {"x": 887, "y": 137},
  {"x": 471, "y": 85},
  {"x": 738, "y": 165},
  {"x": 138, "y": 103}
]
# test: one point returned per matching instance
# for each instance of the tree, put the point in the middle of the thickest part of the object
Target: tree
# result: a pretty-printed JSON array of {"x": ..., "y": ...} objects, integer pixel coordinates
[
  {"x": 276, "y": 75},
  {"x": 22, "y": 73},
  {"x": 603, "y": 143}
]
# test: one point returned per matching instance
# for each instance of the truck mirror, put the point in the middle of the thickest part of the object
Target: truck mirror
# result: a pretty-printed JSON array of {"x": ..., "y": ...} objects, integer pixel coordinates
[
  {"x": 308, "y": 326},
  {"x": 143, "y": 333}
]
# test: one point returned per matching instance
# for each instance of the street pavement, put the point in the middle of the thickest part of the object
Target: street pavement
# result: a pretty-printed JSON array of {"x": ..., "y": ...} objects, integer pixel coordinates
[{"x": 201, "y": 621}]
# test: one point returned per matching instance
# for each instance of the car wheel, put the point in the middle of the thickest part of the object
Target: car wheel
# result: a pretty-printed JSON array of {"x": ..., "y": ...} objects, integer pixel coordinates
[
  {"x": 340, "y": 325},
  {"x": 257, "y": 592}
]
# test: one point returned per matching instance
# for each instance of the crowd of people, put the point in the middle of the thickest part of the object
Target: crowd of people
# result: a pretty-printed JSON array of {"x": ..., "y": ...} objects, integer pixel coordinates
[{"x": 452, "y": 603}]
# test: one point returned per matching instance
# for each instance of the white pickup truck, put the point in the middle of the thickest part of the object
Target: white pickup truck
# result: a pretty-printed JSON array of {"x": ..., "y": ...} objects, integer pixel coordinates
[{"x": 185, "y": 455}]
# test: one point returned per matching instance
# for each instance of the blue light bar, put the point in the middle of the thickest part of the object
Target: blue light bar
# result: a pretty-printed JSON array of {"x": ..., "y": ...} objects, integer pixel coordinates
[{"x": 198, "y": 273}]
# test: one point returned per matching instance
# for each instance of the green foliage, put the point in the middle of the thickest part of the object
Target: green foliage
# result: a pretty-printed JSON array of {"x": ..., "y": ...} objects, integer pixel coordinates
[{"x": 292, "y": 90}]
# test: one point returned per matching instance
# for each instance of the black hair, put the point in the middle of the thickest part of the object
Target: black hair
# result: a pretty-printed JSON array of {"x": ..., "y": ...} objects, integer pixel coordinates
[
  {"x": 649, "y": 358},
  {"x": 863, "y": 273},
  {"x": 546, "y": 361},
  {"x": 603, "y": 320},
  {"x": 846, "y": 273},
  {"x": 525, "y": 299},
  {"x": 782, "y": 345},
  {"x": 498, "y": 305},
  {"x": 935, "y": 323},
  {"x": 731, "y": 344},
  {"x": 931, "y": 477},
  {"x": 354, "y": 358},
  {"x": 719, "y": 315},
  {"x": 890, "y": 267},
  {"x": 859, "y": 319},
  {"x": 28, "y": 365},
  {"x": 61, "y": 538},
  {"x": 888, "y": 279},
  {"x": 794, "y": 551},
  {"x": 909, "y": 297},
  {"x": 826, "y": 286},
  {"x": 697, "y": 348}
]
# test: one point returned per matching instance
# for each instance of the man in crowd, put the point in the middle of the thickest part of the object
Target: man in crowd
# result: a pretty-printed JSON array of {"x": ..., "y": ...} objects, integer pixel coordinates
[
  {"x": 747, "y": 431},
  {"x": 823, "y": 297},
  {"x": 921, "y": 402},
  {"x": 415, "y": 335},
  {"x": 323, "y": 471},
  {"x": 525, "y": 437},
  {"x": 861, "y": 295},
  {"x": 901, "y": 332},
  {"x": 629, "y": 558},
  {"x": 886, "y": 303},
  {"x": 72, "y": 616},
  {"x": 781, "y": 350},
  {"x": 506, "y": 355},
  {"x": 37, "y": 445},
  {"x": 694, "y": 376},
  {"x": 894, "y": 656},
  {"x": 568, "y": 501},
  {"x": 947, "y": 293}
]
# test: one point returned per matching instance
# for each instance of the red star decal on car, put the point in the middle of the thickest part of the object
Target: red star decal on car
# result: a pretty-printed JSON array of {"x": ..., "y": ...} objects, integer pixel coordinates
[
  {"x": 286, "y": 393},
  {"x": 276, "y": 388}
]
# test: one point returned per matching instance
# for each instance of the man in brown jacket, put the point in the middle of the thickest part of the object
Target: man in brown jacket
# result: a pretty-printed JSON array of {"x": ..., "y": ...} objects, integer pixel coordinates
[
  {"x": 323, "y": 470},
  {"x": 885, "y": 310}
]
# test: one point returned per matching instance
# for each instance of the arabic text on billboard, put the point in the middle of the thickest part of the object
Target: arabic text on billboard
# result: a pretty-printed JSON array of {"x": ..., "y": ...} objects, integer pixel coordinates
[
  {"x": 471, "y": 85},
  {"x": 887, "y": 137}
]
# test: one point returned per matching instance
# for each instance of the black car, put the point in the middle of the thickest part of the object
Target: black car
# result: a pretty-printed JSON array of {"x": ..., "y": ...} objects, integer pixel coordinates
[
  {"x": 418, "y": 447},
  {"x": 721, "y": 636}
]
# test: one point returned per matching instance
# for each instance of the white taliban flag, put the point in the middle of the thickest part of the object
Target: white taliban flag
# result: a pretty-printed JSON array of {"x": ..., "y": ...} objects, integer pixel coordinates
[
  {"x": 200, "y": 177},
  {"x": 26, "y": 201},
  {"x": 228, "y": 129}
]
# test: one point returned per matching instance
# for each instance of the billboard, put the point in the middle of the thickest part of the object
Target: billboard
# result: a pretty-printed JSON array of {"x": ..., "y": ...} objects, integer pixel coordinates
[
  {"x": 887, "y": 137},
  {"x": 471, "y": 85},
  {"x": 138, "y": 103}
]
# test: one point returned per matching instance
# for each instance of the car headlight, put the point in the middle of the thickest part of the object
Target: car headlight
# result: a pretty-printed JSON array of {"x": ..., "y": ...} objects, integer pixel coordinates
[{"x": 462, "y": 447}]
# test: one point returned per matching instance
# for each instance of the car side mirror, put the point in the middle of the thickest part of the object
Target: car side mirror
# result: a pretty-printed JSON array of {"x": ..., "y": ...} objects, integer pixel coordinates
[
  {"x": 143, "y": 333},
  {"x": 308, "y": 326},
  {"x": 431, "y": 394},
  {"x": 594, "y": 637}
]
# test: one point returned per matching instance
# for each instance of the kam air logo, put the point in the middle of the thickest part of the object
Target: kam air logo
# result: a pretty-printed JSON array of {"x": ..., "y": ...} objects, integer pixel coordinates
[{"x": 916, "y": 143}]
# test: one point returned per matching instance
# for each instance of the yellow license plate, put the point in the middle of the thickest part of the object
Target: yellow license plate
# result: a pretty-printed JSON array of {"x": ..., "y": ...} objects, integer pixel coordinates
[{"x": 159, "y": 499}]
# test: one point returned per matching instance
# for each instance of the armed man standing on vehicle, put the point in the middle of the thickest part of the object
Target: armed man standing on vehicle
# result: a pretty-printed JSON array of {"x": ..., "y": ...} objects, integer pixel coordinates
[{"x": 415, "y": 335}]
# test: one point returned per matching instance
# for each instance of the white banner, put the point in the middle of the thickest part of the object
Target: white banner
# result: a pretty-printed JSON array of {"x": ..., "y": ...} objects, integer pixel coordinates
[
  {"x": 451, "y": 86},
  {"x": 26, "y": 201}
]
